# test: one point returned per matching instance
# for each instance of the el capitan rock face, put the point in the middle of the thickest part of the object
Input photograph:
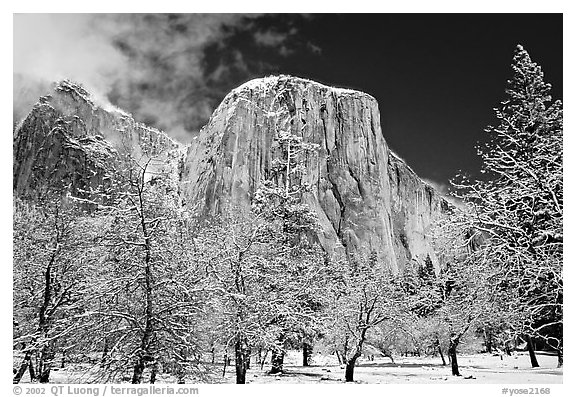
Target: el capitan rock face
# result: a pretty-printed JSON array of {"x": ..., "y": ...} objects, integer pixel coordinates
[{"x": 364, "y": 195}]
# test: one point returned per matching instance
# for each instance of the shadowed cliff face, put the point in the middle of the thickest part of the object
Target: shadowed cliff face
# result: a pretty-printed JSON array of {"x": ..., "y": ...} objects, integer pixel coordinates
[
  {"x": 365, "y": 197},
  {"x": 70, "y": 142}
]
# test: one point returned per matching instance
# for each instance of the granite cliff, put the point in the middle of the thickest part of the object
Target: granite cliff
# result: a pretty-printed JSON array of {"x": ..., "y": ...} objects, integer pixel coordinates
[
  {"x": 365, "y": 196},
  {"x": 69, "y": 140}
]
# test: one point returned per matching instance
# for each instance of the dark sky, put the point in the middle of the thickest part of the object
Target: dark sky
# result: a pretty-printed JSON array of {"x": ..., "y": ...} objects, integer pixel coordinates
[{"x": 436, "y": 76}]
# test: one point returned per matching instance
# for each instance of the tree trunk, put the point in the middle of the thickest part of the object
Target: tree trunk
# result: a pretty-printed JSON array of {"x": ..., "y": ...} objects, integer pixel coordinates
[
  {"x": 46, "y": 359},
  {"x": 143, "y": 358},
  {"x": 225, "y": 364},
  {"x": 488, "y": 339},
  {"x": 306, "y": 351},
  {"x": 154, "y": 373},
  {"x": 23, "y": 367},
  {"x": 263, "y": 361},
  {"x": 350, "y": 365},
  {"x": 387, "y": 353},
  {"x": 452, "y": 355},
  {"x": 277, "y": 361},
  {"x": 43, "y": 327},
  {"x": 240, "y": 350},
  {"x": 507, "y": 348},
  {"x": 440, "y": 352},
  {"x": 45, "y": 375},
  {"x": 43, "y": 323},
  {"x": 530, "y": 345},
  {"x": 339, "y": 358},
  {"x": 248, "y": 357},
  {"x": 560, "y": 352},
  {"x": 178, "y": 368},
  {"x": 345, "y": 352},
  {"x": 104, "y": 353},
  {"x": 138, "y": 371},
  {"x": 144, "y": 354},
  {"x": 148, "y": 335},
  {"x": 31, "y": 370}
]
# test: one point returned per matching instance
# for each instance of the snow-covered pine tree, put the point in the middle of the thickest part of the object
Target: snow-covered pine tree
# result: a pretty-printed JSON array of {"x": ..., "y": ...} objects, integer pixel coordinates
[
  {"x": 518, "y": 206},
  {"x": 280, "y": 196}
]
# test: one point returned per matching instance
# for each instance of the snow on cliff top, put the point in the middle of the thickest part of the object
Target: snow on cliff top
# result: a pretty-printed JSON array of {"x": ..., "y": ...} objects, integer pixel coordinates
[
  {"x": 95, "y": 101},
  {"x": 270, "y": 82},
  {"x": 90, "y": 98}
]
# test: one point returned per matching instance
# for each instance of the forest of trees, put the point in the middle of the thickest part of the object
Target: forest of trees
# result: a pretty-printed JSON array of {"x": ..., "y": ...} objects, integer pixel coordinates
[{"x": 127, "y": 283}]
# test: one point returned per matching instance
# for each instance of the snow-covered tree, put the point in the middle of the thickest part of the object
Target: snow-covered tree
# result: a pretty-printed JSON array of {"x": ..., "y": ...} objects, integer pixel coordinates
[
  {"x": 263, "y": 285},
  {"x": 365, "y": 295},
  {"x": 280, "y": 199},
  {"x": 266, "y": 261},
  {"x": 148, "y": 289},
  {"x": 50, "y": 239},
  {"x": 518, "y": 206},
  {"x": 425, "y": 295},
  {"x": 465, "y": 297}
]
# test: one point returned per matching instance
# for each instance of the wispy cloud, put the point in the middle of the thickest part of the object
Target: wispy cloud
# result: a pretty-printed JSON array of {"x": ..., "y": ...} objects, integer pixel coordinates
[
  {"x": 445, "y": 190},
  {"x": 51, "y": 47},
  {"x": 269, "y": 38},
  {"x": 153, "y": 65},
  {"x": 440, "y": 187}
]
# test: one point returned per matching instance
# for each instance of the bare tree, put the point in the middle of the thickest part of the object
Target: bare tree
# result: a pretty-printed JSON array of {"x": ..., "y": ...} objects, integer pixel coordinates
[
  {"x": 366, "y": 295},
  {"x": 49, "y": 241},
  {"x": 149, "y": 290},
  {"x": 261, "y": 283}
]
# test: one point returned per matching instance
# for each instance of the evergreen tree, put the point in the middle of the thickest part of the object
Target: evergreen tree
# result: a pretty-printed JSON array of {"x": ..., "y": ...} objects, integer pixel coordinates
[{"x": 518, "y": 206}]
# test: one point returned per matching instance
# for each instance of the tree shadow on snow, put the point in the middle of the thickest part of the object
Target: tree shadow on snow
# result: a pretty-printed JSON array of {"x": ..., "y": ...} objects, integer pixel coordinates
[
  {"x": 543, "y": 371},
  {"x": 400, "y": 365},
  {"x": 290, "y": 373}
]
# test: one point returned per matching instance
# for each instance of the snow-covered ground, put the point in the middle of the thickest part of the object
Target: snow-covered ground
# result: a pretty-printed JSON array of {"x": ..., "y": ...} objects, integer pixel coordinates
[{"x": 484, "y": 369}]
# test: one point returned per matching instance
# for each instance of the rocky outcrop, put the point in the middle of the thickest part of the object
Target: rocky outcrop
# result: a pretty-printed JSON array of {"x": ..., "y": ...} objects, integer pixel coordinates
[
  {"x": 415, "y": 207},
  {"x": 365, "y": 196},
  {"x": 70, "y": 141}
]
